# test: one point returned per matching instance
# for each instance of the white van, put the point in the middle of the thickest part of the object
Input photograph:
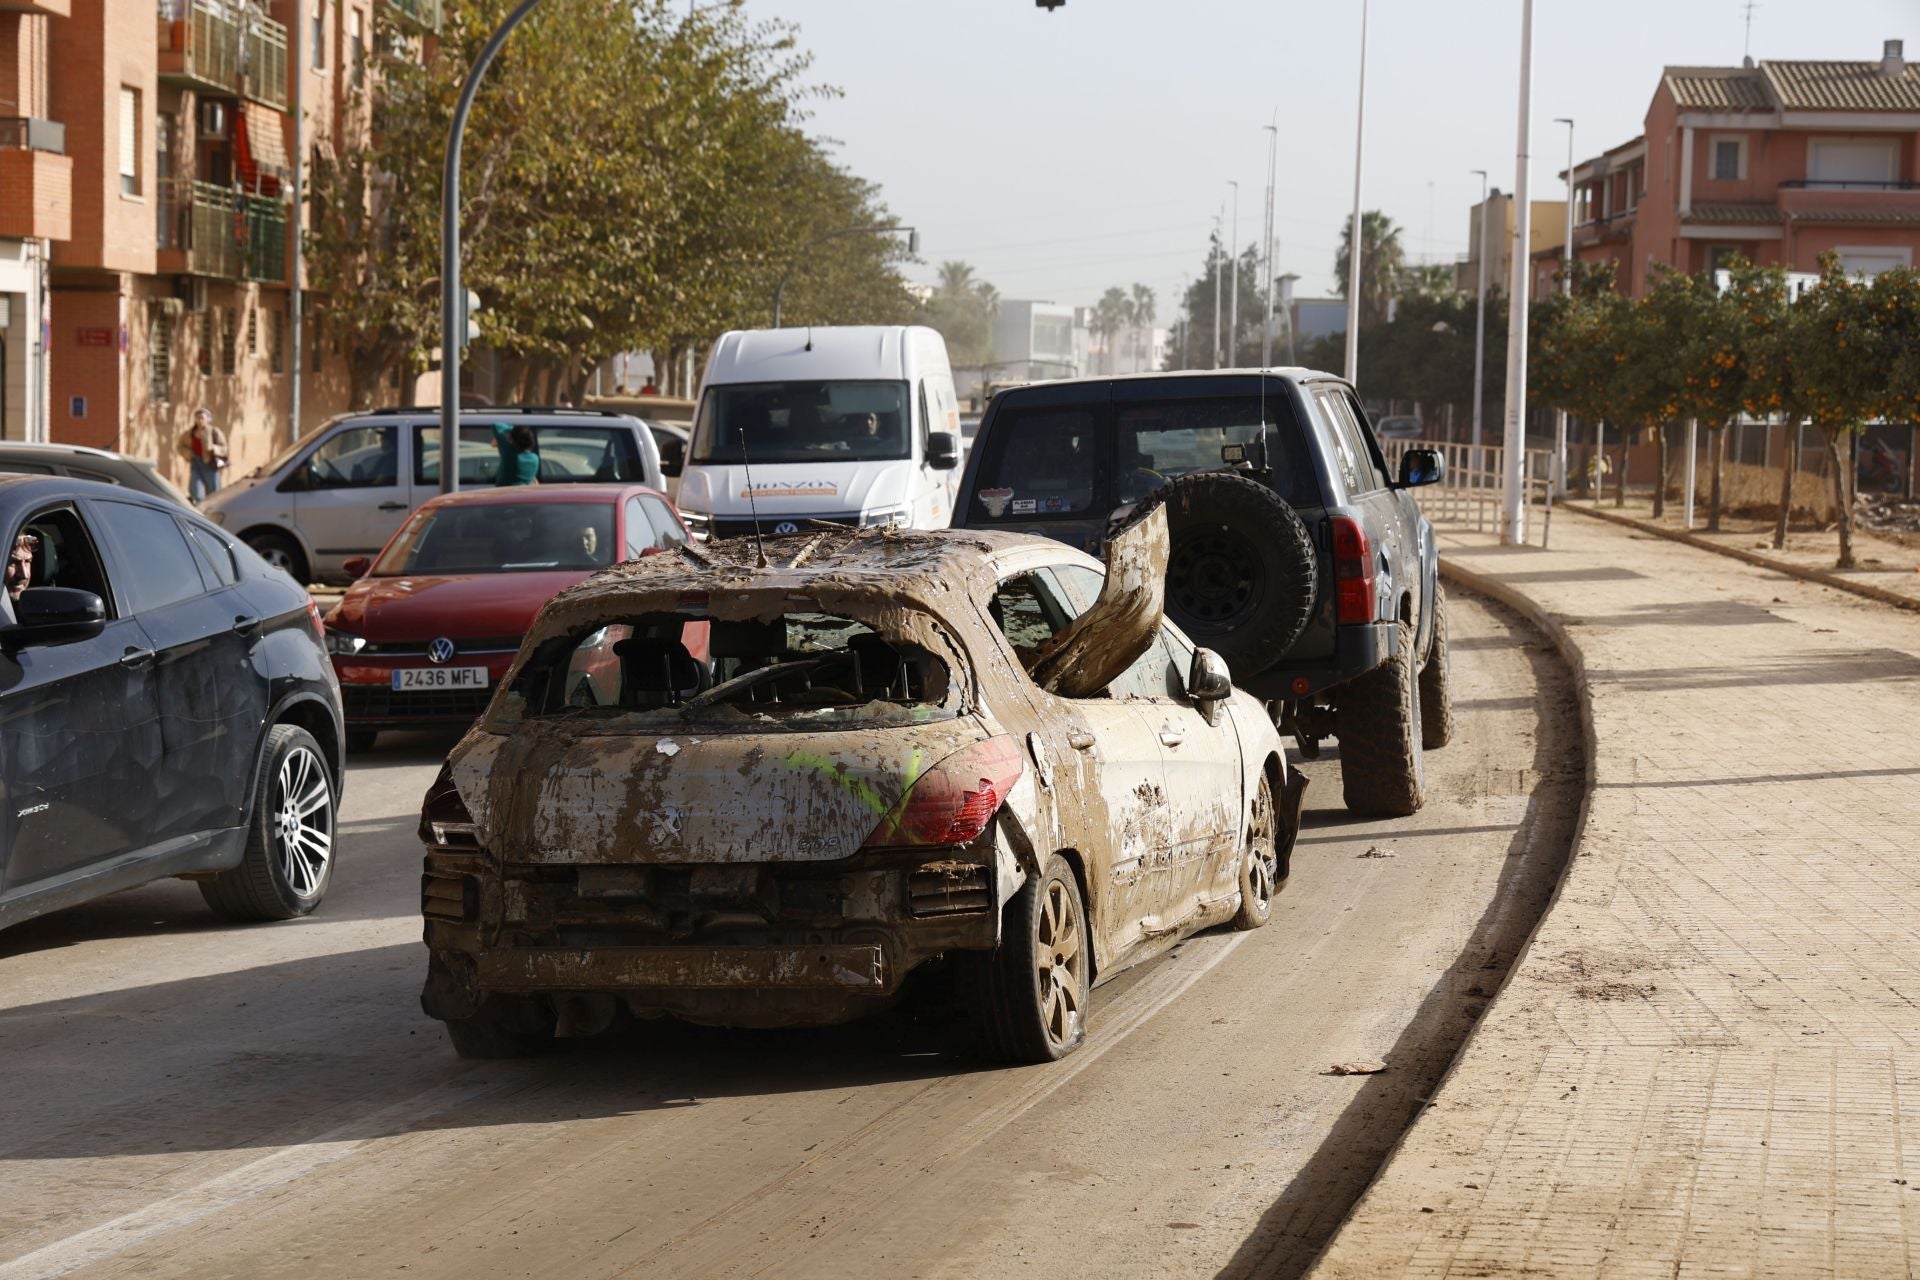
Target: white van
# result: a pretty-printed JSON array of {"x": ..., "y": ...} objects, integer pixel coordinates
[{"x": 857, "y": 425}]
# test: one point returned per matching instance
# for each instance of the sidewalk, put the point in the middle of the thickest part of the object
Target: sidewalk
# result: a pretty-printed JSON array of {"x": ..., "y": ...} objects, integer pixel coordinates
[{"x": 1706, "y": 1061}]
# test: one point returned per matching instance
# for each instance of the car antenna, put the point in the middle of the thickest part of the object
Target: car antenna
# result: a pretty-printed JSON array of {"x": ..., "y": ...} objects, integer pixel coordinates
[
  {"x": 753, "y": 508},
  {"x": 809, "y": 345}
]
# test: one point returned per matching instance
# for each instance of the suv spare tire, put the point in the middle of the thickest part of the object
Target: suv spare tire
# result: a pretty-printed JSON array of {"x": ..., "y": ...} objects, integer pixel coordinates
[{"x": 1242, "y": 577}]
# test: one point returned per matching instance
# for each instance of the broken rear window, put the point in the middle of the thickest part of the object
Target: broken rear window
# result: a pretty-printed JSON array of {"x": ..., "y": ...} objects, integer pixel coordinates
[{"x": 798, "y": 670}]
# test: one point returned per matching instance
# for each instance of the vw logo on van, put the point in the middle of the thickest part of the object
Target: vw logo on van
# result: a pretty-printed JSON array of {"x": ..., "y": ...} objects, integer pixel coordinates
[
  {"x": 440, "y": 650},
  {"x": 786, "y": 526}
]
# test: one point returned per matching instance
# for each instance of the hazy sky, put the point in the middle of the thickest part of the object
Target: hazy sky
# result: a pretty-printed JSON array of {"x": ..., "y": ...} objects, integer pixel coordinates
[{"x": 1063, "y": 152}]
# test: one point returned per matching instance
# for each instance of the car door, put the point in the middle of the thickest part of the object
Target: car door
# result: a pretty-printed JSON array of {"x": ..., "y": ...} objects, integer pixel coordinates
[
  {"x": 350, "y": 494},
  {"x": 211, "y": 702},
  {"x": 80, "y": 740},
  {"x": 1204, "y": 775}
]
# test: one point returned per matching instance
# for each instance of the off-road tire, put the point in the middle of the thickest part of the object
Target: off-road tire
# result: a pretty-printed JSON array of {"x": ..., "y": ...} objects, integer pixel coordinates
[
  {"x": 1242, "y": 576},
  {"x": 360, "y": 741},
  {"x": 1436, "y": 680},
  {"x": 497, "y": 1031},
  {"x": 278, "y": 878},
  {"x": 1259, "y": 861},
  {"x": 282, "y": 552},
  {"x": 1022, "y": 1015},
  {"x": 1377, "y": 719}
]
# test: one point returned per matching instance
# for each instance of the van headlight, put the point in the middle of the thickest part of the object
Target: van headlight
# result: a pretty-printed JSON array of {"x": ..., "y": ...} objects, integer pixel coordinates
[{"x": 892, "y": 517}]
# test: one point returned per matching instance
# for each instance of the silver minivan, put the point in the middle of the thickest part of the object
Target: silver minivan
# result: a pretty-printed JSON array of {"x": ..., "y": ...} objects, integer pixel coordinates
[{"x": 342, "y": 491}]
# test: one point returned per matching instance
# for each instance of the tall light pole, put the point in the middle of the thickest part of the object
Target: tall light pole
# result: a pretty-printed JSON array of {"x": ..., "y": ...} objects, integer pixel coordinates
[
  {"x": 1219, "y": 262},
  {"x": 780, "y": 290},
  {"x": 296, "y": 301},
  {"x": 1233, "y": 308},
  {"x": 1479, "y": 335},
  {"x": 1566, "y": 286},
  {"x": 1266, "y": 248},
  {"x": 1353, "y": 228},
  {"x": 1514, "y": 500}
]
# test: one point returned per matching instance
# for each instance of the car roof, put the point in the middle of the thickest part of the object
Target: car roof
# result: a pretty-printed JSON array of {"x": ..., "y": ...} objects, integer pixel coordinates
[
  {"x": 51, "y": 446},
  {"x": 1294, "y": 373},
  {"x": 541, "y": 494}
]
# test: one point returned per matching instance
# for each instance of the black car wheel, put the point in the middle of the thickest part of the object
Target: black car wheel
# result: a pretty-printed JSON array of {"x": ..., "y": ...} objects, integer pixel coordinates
[{"x": 288, "y": 861}]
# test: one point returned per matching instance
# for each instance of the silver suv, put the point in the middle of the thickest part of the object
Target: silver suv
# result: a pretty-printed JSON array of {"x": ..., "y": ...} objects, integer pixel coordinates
[{"x": 343, "y": 490}]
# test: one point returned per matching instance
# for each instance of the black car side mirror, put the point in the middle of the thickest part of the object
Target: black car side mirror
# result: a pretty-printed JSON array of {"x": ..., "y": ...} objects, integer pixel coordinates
[
  {"x": 943, "y": 451},
  {"x": 673, "y": 457},
  {"x": 54, "y": 615},
  {"x": 1421, "y": 466}
]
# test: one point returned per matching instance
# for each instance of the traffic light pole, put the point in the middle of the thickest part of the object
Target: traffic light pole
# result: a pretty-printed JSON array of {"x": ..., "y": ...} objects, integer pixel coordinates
[{"x": 452, "y": 295}]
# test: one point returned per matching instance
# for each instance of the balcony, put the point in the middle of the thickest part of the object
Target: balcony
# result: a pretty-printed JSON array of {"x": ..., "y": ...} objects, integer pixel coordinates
[
  {"x": 263, "y": 61},
  {"x": 421, "y": 15},
  {"x": 1601, "y": 230},
  {"x": 200, "y": 45},
  {"x": 36, "y": 180},
  {"x": 47, "y": 8},
  {"x": 1860, "y": 204},
  {"x": 208, "y": 230}
]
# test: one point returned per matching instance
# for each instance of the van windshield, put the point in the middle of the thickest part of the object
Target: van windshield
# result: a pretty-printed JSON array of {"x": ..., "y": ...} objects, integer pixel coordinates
[{"x": 780, "y": 422}]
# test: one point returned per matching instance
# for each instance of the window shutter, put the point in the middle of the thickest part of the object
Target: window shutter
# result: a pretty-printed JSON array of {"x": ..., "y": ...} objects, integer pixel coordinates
[{"x": 129, "y": 132}]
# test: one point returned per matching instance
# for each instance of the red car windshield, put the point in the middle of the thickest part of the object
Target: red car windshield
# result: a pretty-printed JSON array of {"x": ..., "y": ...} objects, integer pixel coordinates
[{"x": 494, "y": 537}]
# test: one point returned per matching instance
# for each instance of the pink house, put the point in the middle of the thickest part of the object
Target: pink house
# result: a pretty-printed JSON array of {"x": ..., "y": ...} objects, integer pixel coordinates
[{"x": 1777, "y": 162}]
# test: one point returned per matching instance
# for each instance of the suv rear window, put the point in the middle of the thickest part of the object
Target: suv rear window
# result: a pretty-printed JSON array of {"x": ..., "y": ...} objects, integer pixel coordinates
[
  {"x": 569, "y": 454},
  {"x": 1038, "y": 462},
  {"x": 1157, "y": 440}
]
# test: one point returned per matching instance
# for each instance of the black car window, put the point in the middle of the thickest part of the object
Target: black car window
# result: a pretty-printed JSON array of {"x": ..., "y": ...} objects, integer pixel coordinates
[
  {"x": 356, "y": 458},
  {"x": 1367, "y": 450},
  {"x": 1156, "y": 440},
  {"x": 64, "y": 554},
  {"x": 215, "y": 555},
  {"x": 1038, "y": 462},
  {"x": 161, "y": 568}
]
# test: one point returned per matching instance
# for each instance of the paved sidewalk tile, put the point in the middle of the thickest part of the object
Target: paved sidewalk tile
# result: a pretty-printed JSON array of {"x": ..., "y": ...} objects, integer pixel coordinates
[{"x": 1708, "y": 1062}]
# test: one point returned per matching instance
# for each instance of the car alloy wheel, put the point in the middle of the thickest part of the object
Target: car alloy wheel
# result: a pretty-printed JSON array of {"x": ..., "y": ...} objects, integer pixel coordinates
[
  {"x": 302, "y": 820},
  {"x": 1060, "y": 959},
  {"x": 1260, "y": 868}
]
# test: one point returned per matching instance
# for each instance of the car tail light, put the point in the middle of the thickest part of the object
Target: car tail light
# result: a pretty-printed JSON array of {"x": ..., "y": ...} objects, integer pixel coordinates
[
  {"x": 1352, "y": 571},
  {"x": 445, "y": 824},
  {"x": 953, "y": 802}
]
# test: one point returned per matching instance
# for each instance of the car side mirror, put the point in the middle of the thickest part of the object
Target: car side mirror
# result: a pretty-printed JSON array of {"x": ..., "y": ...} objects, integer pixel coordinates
[
  {"x": 943, "y": 451},
  {"x": 55, "y": 615},
  {"x": 1421, "y": 466},
  {"x": 357, "y": 566},
  {"x": 1208, "y": 679},
  {"x": 673, "y": 457}
]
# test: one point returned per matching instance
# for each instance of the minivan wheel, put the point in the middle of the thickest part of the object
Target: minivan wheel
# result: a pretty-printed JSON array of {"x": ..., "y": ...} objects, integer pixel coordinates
[
  {"x": 288, "y": 861},
  {"x": 282, "y": 552},
  {"x": 1034, "y": 987},
  {"x": 1259, "y": 862},
  {"x": 1377, "y": 719}
]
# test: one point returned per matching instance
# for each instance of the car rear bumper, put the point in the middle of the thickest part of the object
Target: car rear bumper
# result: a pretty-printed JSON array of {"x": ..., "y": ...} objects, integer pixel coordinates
[
  {"x": 1357, "y": 649},
  {"x": 835, "y": 967}
]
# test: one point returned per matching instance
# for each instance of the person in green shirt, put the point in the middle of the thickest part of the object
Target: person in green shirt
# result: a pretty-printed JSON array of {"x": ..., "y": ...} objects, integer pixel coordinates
[{"x": 519, "y": 454}]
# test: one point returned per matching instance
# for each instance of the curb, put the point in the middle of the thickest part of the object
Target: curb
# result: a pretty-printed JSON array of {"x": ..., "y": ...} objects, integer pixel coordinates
[
  {"x": 1821, "y": 576},
  {"x": 1556, "y": 631}
]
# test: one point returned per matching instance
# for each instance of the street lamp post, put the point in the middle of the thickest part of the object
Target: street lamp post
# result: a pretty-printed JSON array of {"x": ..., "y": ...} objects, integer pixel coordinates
[
  {"x": 1352, "y": 368},
  {"x": 1219, "y": 261},
  {"x": 779, "y": 291},
  {"x": 1233, "y": 308},
  {"x": 1566, "y": 286},
  {"x": 452, "y": 295},
  {"x": 1514, "y": 500},
  {"x": 1266, "y": 249},
  {"x": 1479, "y": 337}
]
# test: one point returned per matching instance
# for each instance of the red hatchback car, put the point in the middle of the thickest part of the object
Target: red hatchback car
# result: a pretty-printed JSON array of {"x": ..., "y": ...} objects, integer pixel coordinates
[{"x": 431, "y": 624}]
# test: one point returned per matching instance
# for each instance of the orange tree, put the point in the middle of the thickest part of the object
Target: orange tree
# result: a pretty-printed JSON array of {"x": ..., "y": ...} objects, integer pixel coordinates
[
  {"x": 1767, "y": 387},
  {"x": 1713, "y": 362},
  {"x": 1833, "y": 340},
  {"x": 1576, "y": 354},
  {"x": 1894, "y": 300}
]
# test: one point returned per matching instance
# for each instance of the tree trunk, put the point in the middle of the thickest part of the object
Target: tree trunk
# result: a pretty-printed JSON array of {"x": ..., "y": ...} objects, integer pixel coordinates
[
  {"x": 1786, "y": 487},
  {"x": 1717, "y": 445},
  {"x": 1626, "y": 455},
  {"x": 1913, "y": 440},
  {"x": 1842, "y": 499},
  {"x": 1659, "y": 471}
]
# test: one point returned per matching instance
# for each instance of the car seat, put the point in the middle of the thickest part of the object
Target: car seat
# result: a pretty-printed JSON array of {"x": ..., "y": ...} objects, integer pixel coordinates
[{"x": 656, "y": 673}]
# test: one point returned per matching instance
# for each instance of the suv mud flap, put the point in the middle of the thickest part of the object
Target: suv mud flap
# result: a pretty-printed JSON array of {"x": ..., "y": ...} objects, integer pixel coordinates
[{"x": 1287, "y": 813}]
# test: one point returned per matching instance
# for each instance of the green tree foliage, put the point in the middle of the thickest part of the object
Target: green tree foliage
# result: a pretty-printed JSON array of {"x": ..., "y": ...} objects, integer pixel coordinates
[
  {"x": 962, "y": 307},
  {"x": 1196, "y": 308},
  {"x": 634, "y": 177},
  {"x": 1382, "y": 265},
  {"x": 1834, "y": 340}
]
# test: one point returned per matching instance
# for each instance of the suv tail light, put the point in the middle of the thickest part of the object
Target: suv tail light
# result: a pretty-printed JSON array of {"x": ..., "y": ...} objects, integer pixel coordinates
[
  {"x": 1352, "y": 571},
  {"x": 953, "y": 802}
]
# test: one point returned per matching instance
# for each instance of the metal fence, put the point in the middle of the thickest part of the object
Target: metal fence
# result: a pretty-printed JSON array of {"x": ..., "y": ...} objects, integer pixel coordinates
[{"x": 1469, "y": 493}]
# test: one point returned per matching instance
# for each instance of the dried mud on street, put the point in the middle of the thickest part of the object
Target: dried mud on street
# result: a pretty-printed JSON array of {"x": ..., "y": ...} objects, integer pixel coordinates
[{"x": 186, "y": 1099}]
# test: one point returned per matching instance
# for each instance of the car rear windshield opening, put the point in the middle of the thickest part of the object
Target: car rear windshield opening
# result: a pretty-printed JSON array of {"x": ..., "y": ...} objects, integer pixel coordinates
[{"x": 794, "y": 668}]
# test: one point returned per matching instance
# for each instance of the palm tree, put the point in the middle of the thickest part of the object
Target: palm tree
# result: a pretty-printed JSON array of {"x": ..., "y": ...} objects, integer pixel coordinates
[
  {"x": 1109, "y": 317},
  {"x": 956, "y": 279},
  {"x": 1381, "y": 261},
  {"x": 1144, "y": 309}
]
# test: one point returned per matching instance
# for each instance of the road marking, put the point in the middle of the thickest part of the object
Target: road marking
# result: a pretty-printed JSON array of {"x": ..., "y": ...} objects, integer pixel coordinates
[{"x": 234, "y": 1187}]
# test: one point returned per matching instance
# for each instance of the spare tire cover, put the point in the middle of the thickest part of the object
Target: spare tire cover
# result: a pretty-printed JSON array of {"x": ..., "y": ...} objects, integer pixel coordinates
[{"x": 1242, "y": 578}]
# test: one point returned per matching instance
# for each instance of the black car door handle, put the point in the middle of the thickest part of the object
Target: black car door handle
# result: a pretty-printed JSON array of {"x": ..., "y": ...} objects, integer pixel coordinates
[
  {"x": 393, "y": 506},
  {"x": 245, "y": 626},
  {"x": 133, "y": 659}
]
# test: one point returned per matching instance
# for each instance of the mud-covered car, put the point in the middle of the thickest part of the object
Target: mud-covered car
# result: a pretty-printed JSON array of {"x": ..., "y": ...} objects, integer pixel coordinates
[{"x": 905, "y": 746}]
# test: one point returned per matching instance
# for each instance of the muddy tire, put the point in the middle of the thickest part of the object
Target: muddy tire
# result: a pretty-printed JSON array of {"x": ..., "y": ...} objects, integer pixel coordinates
[
  {"x": 288, "y": 862},
  {"x": 498, "y": 1030},
  {"x": 1436, "y": 680},
  {"x": 1241, "y": 572},
  {"x": 1377, "y": 720},
  {"x": 1259, "y": 862},
  {"x": 1032, "y": 990}
]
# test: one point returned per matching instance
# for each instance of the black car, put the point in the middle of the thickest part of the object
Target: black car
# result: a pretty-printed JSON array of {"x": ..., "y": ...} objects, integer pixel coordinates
[
  {"x": 166, "y": 709},
  {"x": 1295, "y": 553}
]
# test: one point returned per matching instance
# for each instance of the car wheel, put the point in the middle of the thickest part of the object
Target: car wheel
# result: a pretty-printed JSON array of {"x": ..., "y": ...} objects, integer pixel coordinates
[
  {"x": 282, "y": 552},
  {"x": 499, "y": 1030},
  {"x": 1242, "y": 575},
  {"x": 1036, "y": 982},
  {"x": 1377, "y": 719},
  {"x": 1436, "y": 680},
  {"x": 361, "y": 740},
  {"x": 288, "y": 861},
  {"x": 1260, "y": 864}
]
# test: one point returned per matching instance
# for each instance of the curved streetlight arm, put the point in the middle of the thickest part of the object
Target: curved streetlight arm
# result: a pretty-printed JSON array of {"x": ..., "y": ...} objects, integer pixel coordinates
[
  {"x": 452, "y": 295},
  {"x": 780, "y": 290}
]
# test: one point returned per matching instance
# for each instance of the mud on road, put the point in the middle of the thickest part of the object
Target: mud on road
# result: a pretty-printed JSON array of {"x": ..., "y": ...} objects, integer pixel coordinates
[{"x": 190, "y": 1099}]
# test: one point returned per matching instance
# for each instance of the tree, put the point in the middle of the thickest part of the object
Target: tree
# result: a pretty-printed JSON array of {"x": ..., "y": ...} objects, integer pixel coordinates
[
  {"x": 1578, "y": 350},
  {"x": 1109, "y": 318},
  {"x": 1382, "y": 260},
  {"x": 1834, "y": 339},
  {"x": 962, "y": 307},
  {"x": 1894, "y": 298},
  {"x": 1144, "y": 306}
]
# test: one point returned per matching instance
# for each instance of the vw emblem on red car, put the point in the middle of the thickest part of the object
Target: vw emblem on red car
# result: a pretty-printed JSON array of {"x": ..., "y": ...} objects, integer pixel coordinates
[
  {"x": 440, "y": 650},
  {"x": 786, "y": 526}
]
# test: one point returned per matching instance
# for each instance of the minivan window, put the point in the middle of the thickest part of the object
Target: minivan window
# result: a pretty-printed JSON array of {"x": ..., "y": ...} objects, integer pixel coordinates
[
  {"x": 569, "y": 454},
  {"x": 760, "y": 423},
  {"x": 1039, "y": 462},
  {"x": 357, "y": 458}
]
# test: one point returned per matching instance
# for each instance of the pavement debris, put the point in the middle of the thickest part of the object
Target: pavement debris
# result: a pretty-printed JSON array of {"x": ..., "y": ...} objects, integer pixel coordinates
[{"x": 1360, "y": 1067}]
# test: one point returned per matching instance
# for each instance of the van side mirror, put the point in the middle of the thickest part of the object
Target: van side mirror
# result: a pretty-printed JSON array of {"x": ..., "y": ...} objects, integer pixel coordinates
[
  {"x": 1421, "y": 466},
  {"x": 943, "y": 451},
  {"x": 357, "y": 566},
  {"x": 1208, "y": 679},
  {"x": 55, "y": 615}
]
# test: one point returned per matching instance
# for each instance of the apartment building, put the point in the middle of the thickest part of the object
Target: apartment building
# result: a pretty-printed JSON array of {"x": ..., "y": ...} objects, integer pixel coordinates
[
  {"x": 172, "y": 290},
  {"x": 1548, "y": 229},
  {"x": 36, "y": 205},
  {"x": 1776, "y": 162}
]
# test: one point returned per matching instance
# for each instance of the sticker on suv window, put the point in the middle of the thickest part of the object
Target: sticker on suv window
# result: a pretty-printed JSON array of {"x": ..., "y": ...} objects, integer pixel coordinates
[{"x": 995, "y": 501}]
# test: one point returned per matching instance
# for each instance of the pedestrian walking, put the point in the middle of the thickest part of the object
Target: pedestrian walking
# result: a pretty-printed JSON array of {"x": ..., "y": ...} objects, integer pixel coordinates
[
  {"x": 650, "y": 389},
  {"x": 519, "y": 454},
  {"x": 205, "y": 448}
]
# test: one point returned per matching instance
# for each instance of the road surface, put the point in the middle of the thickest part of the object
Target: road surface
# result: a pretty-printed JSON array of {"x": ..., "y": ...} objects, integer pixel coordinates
[{"x": 184, "y": 1098}]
